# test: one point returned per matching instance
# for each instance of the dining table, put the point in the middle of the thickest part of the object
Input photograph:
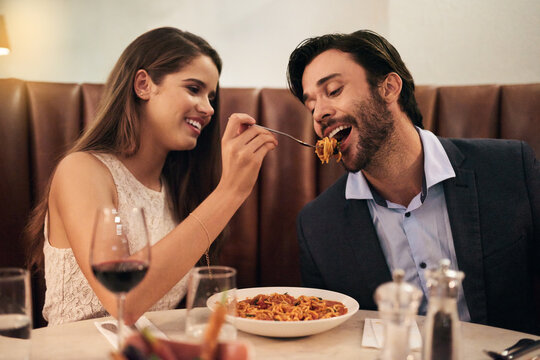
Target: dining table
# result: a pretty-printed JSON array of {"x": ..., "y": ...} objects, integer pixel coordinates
[{"x": 82, "y": 340}]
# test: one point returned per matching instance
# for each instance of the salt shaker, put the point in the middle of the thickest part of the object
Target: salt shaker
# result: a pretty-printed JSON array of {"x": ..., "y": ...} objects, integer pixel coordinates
[
  {"x": 442, "y": 339},
  {"x": 398, "y": 303}
]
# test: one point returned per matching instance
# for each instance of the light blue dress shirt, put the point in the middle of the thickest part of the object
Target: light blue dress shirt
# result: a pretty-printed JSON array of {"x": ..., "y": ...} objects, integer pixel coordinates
[{"x": 416, "y": 237}]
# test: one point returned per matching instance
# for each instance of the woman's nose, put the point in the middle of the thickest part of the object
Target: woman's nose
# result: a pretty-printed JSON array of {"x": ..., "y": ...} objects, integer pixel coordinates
[{"x": 205, "y": 107}]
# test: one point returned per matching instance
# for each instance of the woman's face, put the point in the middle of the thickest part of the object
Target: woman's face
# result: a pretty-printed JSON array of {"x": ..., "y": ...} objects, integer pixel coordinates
[{"x": 178, "y": 109}]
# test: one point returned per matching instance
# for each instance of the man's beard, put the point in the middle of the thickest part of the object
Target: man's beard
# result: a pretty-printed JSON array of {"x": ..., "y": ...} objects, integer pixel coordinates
[{"x": 374, "y": 125}]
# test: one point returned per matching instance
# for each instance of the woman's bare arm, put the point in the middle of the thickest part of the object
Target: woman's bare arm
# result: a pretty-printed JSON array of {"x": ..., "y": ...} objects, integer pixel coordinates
[{"x": 82, "y": 184}]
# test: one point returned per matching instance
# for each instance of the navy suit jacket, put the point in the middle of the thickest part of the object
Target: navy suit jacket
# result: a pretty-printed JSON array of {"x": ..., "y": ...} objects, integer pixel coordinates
[{"x": 494, "y": 209}]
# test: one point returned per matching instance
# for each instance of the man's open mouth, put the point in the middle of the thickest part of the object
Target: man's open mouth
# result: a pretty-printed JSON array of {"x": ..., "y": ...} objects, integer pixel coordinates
[{"x": 340, "y": 133}]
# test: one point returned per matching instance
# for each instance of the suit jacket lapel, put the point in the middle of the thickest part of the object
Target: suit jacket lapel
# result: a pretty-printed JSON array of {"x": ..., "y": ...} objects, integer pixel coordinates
[
  {"x": 362, "y": 238},
  {"x": 462, "y": 204}
]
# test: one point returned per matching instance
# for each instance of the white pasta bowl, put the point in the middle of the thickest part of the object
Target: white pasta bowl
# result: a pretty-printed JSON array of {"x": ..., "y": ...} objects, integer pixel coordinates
[{"x": 288, "y": 328}]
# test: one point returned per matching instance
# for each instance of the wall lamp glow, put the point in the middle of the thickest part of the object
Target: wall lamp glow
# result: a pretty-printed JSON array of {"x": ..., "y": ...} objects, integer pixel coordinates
[{"x": 4, "y": 43}]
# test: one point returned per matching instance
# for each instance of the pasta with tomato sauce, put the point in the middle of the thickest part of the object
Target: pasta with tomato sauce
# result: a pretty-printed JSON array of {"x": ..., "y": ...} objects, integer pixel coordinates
[
  {"x": 327, "y": 147},
  {"x": 284, "y": 307}
]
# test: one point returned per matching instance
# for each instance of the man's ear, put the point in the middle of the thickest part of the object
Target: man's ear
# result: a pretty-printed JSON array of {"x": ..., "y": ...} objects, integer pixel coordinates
[
  {"x": 391, "y": 87},
  {"x": 142, "y": 84}
]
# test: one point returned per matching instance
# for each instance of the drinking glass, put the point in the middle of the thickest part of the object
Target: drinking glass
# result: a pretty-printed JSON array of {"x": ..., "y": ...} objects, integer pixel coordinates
[
  {"x": 15, "y": 313},
  {"x": 204, "y": 282},
  {"x": 120, "y": 254}
]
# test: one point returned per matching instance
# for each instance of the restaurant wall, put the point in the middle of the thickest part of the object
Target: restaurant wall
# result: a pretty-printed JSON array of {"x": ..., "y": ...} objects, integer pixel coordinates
[
  {"x": 468, "y": 41},
  {"x": 79, "y": 40},
  {"x": 442, "y": 42}
]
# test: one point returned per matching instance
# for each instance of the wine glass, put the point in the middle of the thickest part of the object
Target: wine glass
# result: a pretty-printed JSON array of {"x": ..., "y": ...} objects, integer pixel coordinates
[{"x": 120, "y": 254}]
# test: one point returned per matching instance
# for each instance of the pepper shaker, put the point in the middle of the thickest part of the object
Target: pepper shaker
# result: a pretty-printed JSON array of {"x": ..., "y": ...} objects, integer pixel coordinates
[{"x": 442, "y": 339}]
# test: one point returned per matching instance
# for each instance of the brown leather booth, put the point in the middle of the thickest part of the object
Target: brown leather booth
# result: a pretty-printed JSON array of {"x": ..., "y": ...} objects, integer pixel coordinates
[{"x": 38, "y": 121}]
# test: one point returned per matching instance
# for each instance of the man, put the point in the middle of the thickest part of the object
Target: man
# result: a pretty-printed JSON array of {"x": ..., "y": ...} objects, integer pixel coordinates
[{"x": 409, "y": 198}]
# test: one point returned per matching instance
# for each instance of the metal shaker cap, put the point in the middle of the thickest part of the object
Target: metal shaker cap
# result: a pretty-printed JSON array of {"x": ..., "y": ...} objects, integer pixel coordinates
[
  {"x": 398, "y": 295},
  {"x": 443, "y": 281}
]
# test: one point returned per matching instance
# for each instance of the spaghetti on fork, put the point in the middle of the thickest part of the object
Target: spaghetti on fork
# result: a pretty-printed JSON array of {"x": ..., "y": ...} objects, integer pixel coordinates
[{"x": 327, "y": 147}]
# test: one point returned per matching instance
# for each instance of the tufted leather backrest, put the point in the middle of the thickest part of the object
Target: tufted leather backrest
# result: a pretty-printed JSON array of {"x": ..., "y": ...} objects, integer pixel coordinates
[
  {"x": 15, "y": 187},
  {"x": 520, "y": 114},
  {"x": 39, "y": 121},
  {"x": 55, "y": 123},
  {"x": 468, "y": 111},
  {"x": 242, "y": 245}
]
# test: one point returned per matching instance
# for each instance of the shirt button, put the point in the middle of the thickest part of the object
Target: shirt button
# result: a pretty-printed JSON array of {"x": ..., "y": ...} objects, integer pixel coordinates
[
  {"x": 423, "y": 265},
  {"x": 407, "y": 214}
]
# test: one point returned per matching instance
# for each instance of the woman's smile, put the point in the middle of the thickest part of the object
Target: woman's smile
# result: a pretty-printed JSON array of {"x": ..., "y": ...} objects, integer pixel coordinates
[{"x": 196, "y": 124}]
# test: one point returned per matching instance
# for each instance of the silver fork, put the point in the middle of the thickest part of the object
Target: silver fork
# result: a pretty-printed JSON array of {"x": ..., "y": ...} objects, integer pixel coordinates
[
  {"x": 287, "y": 135},
  {"x": 516, "y": 351}
]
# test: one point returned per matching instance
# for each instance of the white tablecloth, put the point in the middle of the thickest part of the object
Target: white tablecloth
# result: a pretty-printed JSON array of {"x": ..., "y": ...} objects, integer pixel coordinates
[{"x": 81, "y": 340}]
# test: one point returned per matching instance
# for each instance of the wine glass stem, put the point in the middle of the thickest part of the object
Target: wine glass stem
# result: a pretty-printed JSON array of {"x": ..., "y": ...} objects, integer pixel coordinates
[{"x": 121, "y": 301}]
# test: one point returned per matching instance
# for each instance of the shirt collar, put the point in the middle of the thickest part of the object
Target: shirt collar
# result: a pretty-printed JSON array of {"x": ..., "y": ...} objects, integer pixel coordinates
[{"x": 437, "y": 168}]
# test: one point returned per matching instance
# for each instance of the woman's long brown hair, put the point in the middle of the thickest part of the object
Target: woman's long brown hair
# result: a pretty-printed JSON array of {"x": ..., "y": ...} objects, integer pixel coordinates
[{"x": 190, "y": 176}]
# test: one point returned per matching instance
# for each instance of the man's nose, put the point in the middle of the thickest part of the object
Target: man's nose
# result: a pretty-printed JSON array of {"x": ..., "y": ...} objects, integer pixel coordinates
[{"x": 322, "y": 112}]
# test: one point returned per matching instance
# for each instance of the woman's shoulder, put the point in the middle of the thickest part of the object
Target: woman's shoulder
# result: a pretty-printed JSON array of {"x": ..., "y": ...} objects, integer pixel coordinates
[
  {"x": 80, "y": 163},
  {"x": 82, "y": 170}
]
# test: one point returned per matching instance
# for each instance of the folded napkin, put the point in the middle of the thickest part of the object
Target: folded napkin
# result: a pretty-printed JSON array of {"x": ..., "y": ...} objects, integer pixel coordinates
[
  {"x": 109, "y": 327},
  {"x": 374, "y": 334}
]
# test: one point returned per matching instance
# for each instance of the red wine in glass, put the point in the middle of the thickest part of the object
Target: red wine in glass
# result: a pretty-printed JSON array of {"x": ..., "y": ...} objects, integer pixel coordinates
[
  {"x": 120, "y": 276},
  {"x": 120, "y": 254}
]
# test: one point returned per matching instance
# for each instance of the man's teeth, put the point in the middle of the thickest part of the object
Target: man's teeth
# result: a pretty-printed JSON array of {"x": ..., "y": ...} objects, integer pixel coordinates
[
  {"x": 194, "y": 123},
  {"x": 336, "y": 130}
]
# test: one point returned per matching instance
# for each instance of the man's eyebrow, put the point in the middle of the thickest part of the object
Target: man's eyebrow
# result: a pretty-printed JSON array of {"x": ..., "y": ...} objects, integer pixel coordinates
[{"x": 320, "y": 82}]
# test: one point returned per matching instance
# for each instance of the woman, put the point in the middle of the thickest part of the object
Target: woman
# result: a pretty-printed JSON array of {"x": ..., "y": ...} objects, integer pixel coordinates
[{"x": 154, "y": 143}]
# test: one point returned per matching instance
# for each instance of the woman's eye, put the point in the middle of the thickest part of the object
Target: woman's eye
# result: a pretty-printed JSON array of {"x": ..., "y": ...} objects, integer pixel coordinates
[{"x": 193, "y": 89}]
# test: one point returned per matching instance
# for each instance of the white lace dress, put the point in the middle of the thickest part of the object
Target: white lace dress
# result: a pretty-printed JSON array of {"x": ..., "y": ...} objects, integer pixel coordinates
[{"x": 69, "y": 297}]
